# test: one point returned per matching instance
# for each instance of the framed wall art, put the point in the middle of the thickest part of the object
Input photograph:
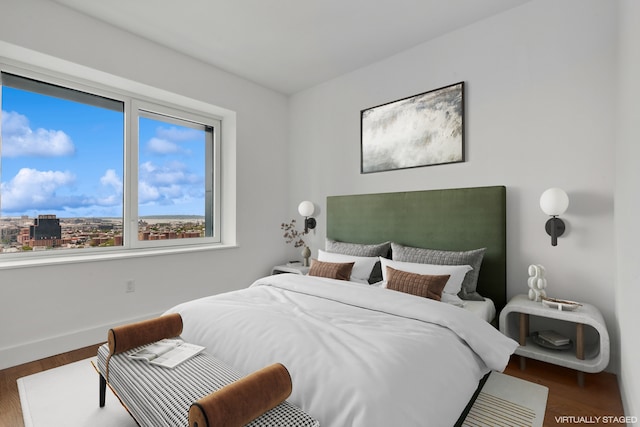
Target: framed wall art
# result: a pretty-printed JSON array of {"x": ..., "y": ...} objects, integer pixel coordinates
[{"x": 421, "y": 130}]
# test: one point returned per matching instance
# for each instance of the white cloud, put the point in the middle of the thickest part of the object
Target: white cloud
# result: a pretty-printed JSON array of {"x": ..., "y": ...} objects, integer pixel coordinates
[
  {"x": 168, "y": 184},
  {"x": 167, "y": 140},
  {"x": 171, "y": 173},
  {"x": 111, "y": 179},
  {"x": 33, "y": 189},
  {"x": 53, "y": 191},
  {"x": 114, "y": 188},
  {"x": 179, "y": 134},
  {"x": 18, "y": 139},
  {"x": 162, "y": 146},
  {"x": 147, "y": 193}
]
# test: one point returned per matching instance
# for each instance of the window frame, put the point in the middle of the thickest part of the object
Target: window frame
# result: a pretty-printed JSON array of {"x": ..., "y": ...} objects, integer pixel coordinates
[
  {"x": 213, "y": 167},
  {"x": 133, "y": 102}
]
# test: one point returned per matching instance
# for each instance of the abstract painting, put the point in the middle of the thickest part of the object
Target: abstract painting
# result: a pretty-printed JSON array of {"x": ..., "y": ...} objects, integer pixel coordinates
[{"x": 421, "y": 130}]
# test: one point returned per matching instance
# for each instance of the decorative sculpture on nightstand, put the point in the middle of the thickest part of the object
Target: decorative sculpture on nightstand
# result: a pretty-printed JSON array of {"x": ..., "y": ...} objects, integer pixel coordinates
[{"x": 537, "y": 283}]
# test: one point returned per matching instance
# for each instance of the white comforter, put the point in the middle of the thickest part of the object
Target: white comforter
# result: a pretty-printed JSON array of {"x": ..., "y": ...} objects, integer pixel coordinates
[{"x": 358, "y": 355}]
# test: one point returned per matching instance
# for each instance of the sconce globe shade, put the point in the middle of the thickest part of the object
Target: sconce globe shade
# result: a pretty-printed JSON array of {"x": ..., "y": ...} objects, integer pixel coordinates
[
  {"x": 554, "y": 201},
  {"x": 306, "y": 208}
]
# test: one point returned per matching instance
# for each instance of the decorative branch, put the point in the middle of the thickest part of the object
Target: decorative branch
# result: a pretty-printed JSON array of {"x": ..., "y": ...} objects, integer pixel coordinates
[{"x": 292, "y": 235}]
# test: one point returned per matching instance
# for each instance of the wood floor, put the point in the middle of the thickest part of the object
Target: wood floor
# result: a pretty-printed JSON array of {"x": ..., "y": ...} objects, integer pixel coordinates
[{"x": 600, "y": 395}]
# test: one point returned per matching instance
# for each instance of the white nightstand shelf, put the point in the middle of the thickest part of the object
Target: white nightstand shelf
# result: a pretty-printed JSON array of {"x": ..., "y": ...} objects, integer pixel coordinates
[
  {"x": 590, "y": 349},
  {"x": 296, "y": 269}
]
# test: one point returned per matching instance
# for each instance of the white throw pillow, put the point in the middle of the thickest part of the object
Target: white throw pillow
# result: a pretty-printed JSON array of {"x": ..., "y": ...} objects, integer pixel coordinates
[
  {"x": 361, "y": 269},
  {"x": 454, "y": 284}
]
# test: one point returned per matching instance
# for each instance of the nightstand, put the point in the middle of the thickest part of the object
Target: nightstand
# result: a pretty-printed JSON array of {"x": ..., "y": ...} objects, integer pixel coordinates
[
  {"x": 285, "y": 268},
  {"x": 585, "y": 326}
]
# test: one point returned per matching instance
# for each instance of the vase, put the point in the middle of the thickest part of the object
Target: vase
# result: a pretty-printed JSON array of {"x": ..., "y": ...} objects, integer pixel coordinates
[{"x": 306, "y": 253}]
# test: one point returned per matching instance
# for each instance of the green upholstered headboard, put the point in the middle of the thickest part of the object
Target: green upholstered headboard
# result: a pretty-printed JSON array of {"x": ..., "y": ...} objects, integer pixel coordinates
[{"x": 452, "y": 219}]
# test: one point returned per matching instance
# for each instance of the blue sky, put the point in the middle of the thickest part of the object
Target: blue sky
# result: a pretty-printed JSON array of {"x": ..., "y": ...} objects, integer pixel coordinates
[{"x": 66, "y": 158}]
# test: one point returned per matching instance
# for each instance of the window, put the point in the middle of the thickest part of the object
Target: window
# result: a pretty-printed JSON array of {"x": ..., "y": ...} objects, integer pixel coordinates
[
  {"x": 175, "y": 183},
  {"x": 86, "y": 169}
]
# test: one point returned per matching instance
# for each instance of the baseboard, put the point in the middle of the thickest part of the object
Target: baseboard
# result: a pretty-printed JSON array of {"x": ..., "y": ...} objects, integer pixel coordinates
[{"x": 35, "y": 350}]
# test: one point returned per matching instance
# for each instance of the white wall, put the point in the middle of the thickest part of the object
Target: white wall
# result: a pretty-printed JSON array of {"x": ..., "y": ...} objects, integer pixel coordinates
[
  {"x": 541, "y": 102},
  {"x": 540, "y": 99},
  {"x": 627, "y": 206},
  {"x": 50, "y": 309}
]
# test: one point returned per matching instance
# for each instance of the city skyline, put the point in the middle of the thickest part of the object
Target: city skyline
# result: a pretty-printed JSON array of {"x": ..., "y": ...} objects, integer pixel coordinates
[{"x": 47, "y": 232}]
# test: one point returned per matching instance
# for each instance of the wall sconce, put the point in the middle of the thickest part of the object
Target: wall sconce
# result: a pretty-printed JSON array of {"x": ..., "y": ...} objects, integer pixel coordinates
[
  {"x": 306, "y": 209},
  {"x": 554, "y": 202}
]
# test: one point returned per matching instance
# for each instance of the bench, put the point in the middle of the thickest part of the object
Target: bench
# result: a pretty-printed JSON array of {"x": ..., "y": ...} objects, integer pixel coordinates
[{"x": 193, "y": 393}]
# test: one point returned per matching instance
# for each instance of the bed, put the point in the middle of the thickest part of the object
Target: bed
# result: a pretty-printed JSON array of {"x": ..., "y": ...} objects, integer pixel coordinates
[{"x": 360, "y": 354}]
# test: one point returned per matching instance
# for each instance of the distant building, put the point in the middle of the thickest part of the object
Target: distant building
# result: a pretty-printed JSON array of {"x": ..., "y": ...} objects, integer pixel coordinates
[
  {"x": 45, "y": 227},
  {"x": 45, "y": 231}
]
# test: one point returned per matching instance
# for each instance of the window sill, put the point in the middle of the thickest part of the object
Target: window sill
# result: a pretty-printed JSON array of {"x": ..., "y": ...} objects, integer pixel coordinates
[{"x": 107, "y": 256}]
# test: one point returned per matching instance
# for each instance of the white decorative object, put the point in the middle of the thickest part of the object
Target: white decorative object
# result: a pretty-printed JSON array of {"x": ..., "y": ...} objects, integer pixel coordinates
[{"x": 537, "y": 282}]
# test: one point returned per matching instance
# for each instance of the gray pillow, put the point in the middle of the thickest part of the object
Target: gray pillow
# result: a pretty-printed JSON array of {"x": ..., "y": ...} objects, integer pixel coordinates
[
  {"x": 357, "y": 249},
  {"x": 440, "y": 257},
  {"x": 360, "y": 249}
]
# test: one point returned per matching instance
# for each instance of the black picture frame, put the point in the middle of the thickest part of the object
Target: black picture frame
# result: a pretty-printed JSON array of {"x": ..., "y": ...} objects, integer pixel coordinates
[{"x": 421, "y": 130}]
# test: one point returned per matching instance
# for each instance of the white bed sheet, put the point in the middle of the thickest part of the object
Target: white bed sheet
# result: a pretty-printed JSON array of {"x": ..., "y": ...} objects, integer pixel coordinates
[
  {"x": 484, "y": 309},
  {"x": 358, "y": 355}
]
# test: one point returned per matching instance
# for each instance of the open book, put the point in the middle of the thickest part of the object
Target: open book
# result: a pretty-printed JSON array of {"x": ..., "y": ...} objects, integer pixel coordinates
[{"x": 167, "y": 352}]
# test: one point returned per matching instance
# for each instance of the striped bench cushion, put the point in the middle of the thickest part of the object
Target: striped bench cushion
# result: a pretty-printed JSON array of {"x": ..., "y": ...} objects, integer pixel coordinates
[{"x": 157, "y": 396}]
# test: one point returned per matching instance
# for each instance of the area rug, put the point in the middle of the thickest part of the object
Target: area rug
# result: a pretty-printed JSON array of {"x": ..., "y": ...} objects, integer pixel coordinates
[
  {"x": 68, "y": 396},
  {"x": 508, "y": 401}
]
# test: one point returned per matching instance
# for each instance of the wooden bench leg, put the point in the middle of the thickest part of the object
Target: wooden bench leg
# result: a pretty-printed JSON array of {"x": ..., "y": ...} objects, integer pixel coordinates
[{"x": 103, "y": 390}]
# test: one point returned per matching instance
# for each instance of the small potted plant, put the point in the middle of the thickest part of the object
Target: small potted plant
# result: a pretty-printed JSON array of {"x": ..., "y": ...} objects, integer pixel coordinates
[{"x": 292, "y": 235}]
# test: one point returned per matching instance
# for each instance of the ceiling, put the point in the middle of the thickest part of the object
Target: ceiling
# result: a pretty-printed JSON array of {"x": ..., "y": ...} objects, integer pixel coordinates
[{"x": 290, "y": 45}]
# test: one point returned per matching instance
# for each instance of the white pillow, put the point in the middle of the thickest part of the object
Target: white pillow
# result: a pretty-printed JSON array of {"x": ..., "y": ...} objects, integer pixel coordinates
[
  {"x": 361, "y": 269},
  {"x": 456, "y": 273}
]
